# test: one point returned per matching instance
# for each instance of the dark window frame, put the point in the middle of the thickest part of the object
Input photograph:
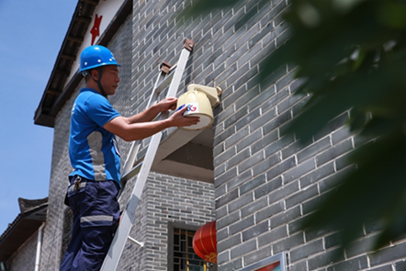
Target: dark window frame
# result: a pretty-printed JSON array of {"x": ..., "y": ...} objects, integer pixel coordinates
[
  {"x": 280, "y": 257},
  {"x": 171, "y": 230}
]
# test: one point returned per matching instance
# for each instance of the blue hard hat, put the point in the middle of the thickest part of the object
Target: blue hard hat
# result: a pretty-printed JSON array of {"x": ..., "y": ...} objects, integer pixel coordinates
[{"x": 96, "y": 56}]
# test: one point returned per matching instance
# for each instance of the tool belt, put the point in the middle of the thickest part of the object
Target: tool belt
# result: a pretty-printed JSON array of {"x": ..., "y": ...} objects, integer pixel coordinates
[{"x": 76, "y": 185}]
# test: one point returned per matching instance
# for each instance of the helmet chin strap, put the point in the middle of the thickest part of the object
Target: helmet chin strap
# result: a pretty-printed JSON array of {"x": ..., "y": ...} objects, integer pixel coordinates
[{"x": 100, "y": 71}]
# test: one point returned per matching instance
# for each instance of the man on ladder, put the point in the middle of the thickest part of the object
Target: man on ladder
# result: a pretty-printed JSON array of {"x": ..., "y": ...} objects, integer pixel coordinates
[{"x": 94, "y": 155}]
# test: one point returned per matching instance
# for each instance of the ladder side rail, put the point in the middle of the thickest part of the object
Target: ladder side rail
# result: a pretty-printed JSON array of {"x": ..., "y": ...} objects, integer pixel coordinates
[
  {"x": 161, "y": 83},
  {"x": 132, "y": 173},
  {"x": 135, "y": 145},
  {"x": 165, "y": 82},
  {"x": 154, "y": 144},
  {"x": 128, "y": 216},
  {"x": 129, "y": 169},
  {"x": 177, "y": 77},
  {"x": 174, "y": 85}
]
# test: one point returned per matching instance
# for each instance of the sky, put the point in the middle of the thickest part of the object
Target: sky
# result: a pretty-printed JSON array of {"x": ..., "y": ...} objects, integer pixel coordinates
[{"x": 31, "y": 35}]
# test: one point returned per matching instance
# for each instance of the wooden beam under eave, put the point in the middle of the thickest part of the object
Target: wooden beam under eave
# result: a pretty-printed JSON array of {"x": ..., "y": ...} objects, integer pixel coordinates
[
  {"x": 53, "y": 92},
  {"x": 81, "y": 19},
  {"x": 62, "y": 72},
  {"x": 46, "y": 109},
  {"x": 75, "y": 39},
  {"x": 92, "y": 2},
  {"x": 69, "y": 57}
]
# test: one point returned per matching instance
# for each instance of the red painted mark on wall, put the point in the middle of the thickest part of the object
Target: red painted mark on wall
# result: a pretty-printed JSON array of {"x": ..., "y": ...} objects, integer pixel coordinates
[{"x": 95, "y": 29}]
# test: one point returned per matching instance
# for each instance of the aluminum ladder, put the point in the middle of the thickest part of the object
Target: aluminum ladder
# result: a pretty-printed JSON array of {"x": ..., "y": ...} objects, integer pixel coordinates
[{"x": 168, "y": 76}]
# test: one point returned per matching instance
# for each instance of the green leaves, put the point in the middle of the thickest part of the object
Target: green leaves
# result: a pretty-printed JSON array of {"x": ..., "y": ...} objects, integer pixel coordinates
[{"x": 393, "y": 14}]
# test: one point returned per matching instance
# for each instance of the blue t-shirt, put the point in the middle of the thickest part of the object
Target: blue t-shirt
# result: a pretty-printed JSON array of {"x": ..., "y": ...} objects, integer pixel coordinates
[{"x": 93, "y": 150}]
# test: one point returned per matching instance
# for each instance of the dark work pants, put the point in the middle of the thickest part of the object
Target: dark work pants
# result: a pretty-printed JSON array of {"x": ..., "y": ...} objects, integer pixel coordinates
[{"x": 95, "y": 215}]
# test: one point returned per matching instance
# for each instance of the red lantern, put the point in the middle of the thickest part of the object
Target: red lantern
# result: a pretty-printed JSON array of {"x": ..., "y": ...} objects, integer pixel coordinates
[{"x": 205, "y": 243}]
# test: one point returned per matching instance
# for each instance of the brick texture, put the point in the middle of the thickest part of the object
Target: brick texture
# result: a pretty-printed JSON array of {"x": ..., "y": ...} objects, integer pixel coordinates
[{"x": 165, "y": 199}]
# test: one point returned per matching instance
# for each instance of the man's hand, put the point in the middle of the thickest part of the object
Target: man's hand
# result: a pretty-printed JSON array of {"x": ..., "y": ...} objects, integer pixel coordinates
[
  {"x": 138, "y": 128},
  {"x": 178, "y": 120},
  {"x": 167, "y": 104}
]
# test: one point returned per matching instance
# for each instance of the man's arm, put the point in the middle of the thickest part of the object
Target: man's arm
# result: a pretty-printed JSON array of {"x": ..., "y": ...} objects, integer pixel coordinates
[
  {"x": 140, "y": 130},
  {"x": 153, "y": 111}
]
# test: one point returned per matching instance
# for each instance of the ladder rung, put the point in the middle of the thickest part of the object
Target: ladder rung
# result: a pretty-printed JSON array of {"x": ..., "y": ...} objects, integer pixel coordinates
[
  {"x": 173, "y": 67},
  {"x": 162, "y": 85},
  {"x": 141, "y": 244},
  {"x": 132, "y": 172}
]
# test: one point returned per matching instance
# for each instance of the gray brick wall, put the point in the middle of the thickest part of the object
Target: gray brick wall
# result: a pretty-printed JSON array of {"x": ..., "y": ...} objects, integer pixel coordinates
[{"x": 165, "y": 199}]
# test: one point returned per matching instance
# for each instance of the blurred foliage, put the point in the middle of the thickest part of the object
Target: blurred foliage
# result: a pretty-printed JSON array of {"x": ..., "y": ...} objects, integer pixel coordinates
[{"x": 351, "y": 55}]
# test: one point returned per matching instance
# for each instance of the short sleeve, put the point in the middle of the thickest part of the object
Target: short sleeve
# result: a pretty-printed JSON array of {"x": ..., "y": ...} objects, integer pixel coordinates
[{"x": 100, "y": 110}]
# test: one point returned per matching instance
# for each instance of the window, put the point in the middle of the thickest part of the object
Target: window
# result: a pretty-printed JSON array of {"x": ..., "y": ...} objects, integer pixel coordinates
[
  {"x": 274, "y": 263},
  {"x": 181, "y": 256}
]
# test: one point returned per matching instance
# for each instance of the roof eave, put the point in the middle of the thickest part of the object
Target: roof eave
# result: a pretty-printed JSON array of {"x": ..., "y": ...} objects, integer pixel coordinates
[{"x": 54, "y": 99}]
